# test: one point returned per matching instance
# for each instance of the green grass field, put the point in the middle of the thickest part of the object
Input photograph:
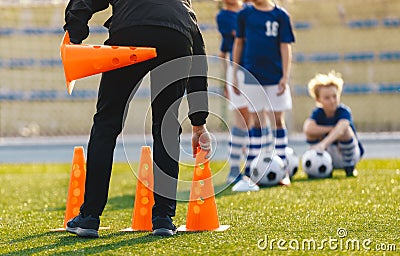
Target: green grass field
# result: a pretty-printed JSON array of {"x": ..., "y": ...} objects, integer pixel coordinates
[{"x": 33, "y": 197}]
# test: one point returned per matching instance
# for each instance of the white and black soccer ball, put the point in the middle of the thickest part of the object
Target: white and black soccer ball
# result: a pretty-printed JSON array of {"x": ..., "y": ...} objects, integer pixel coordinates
[
  {"x": 266, "y": 170},
  {"x": 292, "y": 161},
  {"x": 317, "y": 164}
]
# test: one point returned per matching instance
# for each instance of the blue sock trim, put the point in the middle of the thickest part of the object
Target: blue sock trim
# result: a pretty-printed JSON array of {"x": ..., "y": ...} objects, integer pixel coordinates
[{"x": 239, "y": 132}]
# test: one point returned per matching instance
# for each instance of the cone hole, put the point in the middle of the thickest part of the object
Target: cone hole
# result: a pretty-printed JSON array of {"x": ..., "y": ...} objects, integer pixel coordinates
[
  {"x": 132, "y": 48},
  {"x": 200, "y": 200},
  {"x": 76, "y": 192},
  {"x": 96, "y": 46},
  {"x": 145, "y": 200},
  {"x": 115, "y": 61},
  {"x": 196, "y": 209},
  {"x": 201, "y": 182},
  {"x": 133, "y": 58},
  {"x": 198, "y": 171},
  {"x": 114, "y": 47}
]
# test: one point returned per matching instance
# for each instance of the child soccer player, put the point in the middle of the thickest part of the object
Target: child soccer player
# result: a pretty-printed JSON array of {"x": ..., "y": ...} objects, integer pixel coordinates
[
  {"x": 330, "y": 126},
  {"x": 264, "y": 37},
  {"x": 227, "y": 25}
]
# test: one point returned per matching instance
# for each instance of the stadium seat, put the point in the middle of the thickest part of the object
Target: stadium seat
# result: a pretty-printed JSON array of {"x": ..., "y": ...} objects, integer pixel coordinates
[
  {"x": 299, "y": 57},
  {"x": 324, "y": 57},
  {"x": 391, "y": 22},
  {"x": 54, "y": 62},
  {"x": 6, "y": 31},
  {"x": 97, "y": 30},
  {"x": 359, "y": 56},
  {"x": 205, "y": 27},
  {"x": 302, "y": 25},
  {"x": 389, "y": 88},
  {"x": 357, "y": 88},
  {"x": 21, "y": 62},
  {"x": 390, "y": 56},
  {"x": 368, "y": 23}
]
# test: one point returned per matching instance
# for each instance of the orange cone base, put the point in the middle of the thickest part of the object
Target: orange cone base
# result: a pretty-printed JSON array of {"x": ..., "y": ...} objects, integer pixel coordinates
[
  {"x": 220, "y": 229},
  {"x": 134, "y": 230},
  {"x": 63, "y": 229}
]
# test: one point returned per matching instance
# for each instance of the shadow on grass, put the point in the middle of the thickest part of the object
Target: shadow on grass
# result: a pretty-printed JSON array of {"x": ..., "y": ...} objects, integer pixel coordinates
[{"x": 80, "y": 244}]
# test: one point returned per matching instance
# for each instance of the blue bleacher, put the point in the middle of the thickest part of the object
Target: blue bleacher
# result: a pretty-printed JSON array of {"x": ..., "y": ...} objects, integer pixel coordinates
[
  {"x": 299, "y": 57},
  {"x": 324, "y": 57},
  {"x": 6, "y": 31},
  {"x": 369, "y": 23},
  {"x": 389, "y": 88},
  {"x": 359, "y": 56},
  {"x": 392, "y": 55},
  {"x": 54, "y": 62},
  {"x": 357, "y": 88},
  {"x": 391, "y": 22},
  {"x": 302, "y": 25}
]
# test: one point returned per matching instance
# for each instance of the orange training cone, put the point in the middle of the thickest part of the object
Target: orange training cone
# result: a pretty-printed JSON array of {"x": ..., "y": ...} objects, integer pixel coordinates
[
  {"x": 76, "y": 189},
  {"x": 202, "y": 211},
  {"x": 144, "y": 199},
  {"x": 82, "y": 60}
]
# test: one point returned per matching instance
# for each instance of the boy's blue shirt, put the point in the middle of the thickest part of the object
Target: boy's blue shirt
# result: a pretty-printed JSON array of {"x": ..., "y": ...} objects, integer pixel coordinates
[
  {"x": 263, "y": 32},
  {"x": 342, "y": 112}
]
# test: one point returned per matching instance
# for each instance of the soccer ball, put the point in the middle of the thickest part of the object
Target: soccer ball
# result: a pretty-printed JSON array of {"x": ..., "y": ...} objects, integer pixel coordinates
[
  {"x": 266, "y": 170},
  {"x": 317, "y": 164},
  {"x": 292, "y": 161}
]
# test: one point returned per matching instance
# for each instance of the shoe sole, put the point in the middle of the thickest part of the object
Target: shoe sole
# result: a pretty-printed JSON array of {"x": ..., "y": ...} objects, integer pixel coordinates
[
  {"x": 163, "y": 232},
  {"x": 83, "y": 232}
]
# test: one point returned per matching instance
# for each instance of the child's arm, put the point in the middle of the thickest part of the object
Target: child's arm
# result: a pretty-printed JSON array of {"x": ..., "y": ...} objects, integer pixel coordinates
[
  {"x": 237, "y": 55},
  {"x": 313, "y": 130},
  {"x": 337, "y": 132},
  {"x": 286, "y": 53},
  {"x": 224, "y": 57}
]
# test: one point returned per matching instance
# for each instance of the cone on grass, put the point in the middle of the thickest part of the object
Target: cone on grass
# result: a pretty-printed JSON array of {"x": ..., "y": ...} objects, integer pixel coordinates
[
  {"x": 144, "y": 199},
  {"x": 76, "y": 188},
  {"x": 82, "y": 60},
  {"x": 202, "y": 212}
]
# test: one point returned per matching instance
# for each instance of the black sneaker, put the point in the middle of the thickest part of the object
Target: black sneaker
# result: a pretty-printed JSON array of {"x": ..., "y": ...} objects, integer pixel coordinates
[
  {"x": 84, "y": 226},
  {"x": 162, "y": 226},
  {"x": 350, "y": 171}
]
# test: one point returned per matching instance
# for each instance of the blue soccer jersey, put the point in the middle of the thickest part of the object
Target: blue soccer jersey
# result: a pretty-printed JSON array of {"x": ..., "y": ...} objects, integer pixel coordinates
[
  {"x": 227, "y": 22},
  {"x": 263, "y": 32},
  {"x": 342, "y": 112}
]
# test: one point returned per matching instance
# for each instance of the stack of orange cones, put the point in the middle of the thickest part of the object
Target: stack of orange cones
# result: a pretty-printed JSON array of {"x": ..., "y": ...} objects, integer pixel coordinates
[
  {"x": 144, "y": 199},
  {"x": 82, "y": 60},
  {"x": 202, "y": 212}
]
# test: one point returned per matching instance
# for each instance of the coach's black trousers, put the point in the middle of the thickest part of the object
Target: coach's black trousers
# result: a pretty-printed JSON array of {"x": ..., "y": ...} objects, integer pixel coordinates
[{"x": 115, "y": 91}]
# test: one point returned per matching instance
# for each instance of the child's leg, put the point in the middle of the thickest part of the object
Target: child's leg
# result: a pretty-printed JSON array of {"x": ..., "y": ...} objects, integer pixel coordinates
[
  {"x": 348, "y": 146},
  {"x": 257, "y": 138},
  {"x": 239, "y": 140},
  {"x": 280, "y": 134}
]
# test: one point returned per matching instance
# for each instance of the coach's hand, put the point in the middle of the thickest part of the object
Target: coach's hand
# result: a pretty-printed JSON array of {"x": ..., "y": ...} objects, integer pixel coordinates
[{"x": 201, "y": 138}]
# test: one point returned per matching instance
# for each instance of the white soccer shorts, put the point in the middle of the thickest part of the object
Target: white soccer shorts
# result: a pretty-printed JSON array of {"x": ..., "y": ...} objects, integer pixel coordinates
[
  {"x": 235, "y": 101},
  {"x": 265, "y": 98}
]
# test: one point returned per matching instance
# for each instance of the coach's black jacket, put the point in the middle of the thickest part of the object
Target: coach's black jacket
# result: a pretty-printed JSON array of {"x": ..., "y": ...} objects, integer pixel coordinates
[{"x": 174, "y": 14}]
